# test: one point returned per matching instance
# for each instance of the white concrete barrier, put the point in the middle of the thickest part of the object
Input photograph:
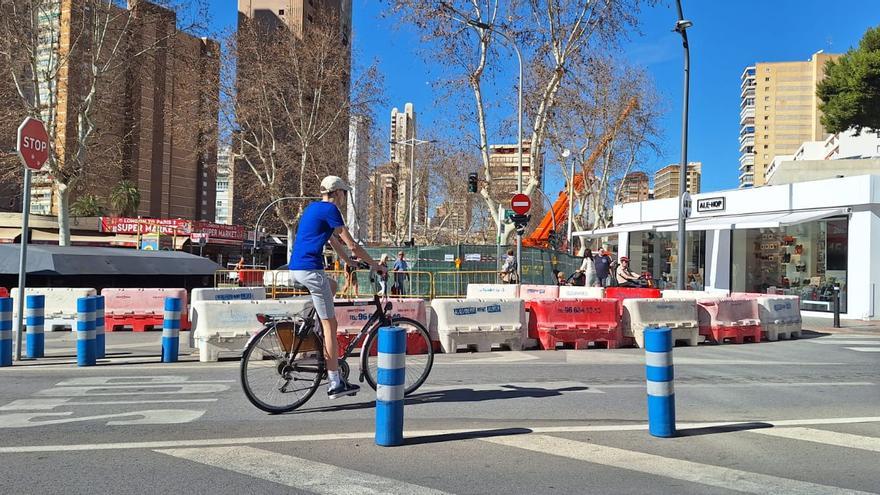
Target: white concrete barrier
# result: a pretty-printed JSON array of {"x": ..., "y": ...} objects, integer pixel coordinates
[
  {"x": 690, "y": 294},
  {"x": 678, "y": 315},
  {"x": 231, "y": 294},
  {"x": 60, "y": 305},
  {"x": 780, "y": 316},
  {"x": 492, "y": 291},
  {"x": 226, "y": 326},
  {"x": 538, "y": 292},
  {"x": 581, "y": 292},
  {"x": 480, "y": 323}
]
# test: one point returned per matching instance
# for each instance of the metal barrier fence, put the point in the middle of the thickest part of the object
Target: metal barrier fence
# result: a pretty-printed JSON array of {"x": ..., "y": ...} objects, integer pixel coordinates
[
  {"x": 412, "y": 284},
  {"x": 239, "y": 278},
  {"x": 454, "y": 284}
]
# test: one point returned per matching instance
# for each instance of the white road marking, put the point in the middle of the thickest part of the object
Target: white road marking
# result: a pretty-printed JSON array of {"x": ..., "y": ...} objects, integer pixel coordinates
[
  {"x": 134, "y": 389},
  {"x": 151, "y": 417},
  {"x": 864, "y": 349},
  {"x": 132, "y": 380},
  {"x": 694, "y": 472},
  {"x": 210, "y": 442},
  {"x": 49, "y": 404},
  {"x": 296, "y": 472},
  {"x": 825, "y": 437},
  {"x": 843, "y": 342},
  {"x": 679, "y": 384},
  {"x": 503, "y": 357}
]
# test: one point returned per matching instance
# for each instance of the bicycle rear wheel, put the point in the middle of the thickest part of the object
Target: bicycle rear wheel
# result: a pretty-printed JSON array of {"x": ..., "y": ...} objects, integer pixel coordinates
[
  {"x": 419, "y": 354},
  {"x": 274, "y": 381}
]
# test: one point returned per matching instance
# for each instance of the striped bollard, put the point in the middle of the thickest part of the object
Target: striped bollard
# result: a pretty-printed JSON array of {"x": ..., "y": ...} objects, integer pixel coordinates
[
  {"x": 658, "y": 370},
  {"x": 6, "y": 331},
  {"x": 390, "y": 381},
  {"x": 171, "y": 329},
  {"x": 100, "y": 347},
  {"x": 85, "y": 331},
  {"x": 35, "y": 312}
]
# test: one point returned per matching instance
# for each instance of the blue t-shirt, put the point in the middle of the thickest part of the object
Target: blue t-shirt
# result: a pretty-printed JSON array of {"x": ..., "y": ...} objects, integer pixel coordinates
[{"x": 316, "y": 225}]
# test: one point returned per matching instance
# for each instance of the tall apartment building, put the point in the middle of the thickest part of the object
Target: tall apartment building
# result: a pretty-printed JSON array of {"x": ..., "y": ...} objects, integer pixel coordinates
[
  {"x": 779, "y": 110},
  {"x": 296, "y": 16},
  {"x": 503, "y": 169},
  {"x": 403, "y": 151},
  {"x": 358, "y": 207},
  {"x": 666, "y": 180},
  {"x": 156, "y": 114},
  {"x": 225, "y": 186},
  {"x": 383, "y": 204},
  {"x": 634, "y": 188}
]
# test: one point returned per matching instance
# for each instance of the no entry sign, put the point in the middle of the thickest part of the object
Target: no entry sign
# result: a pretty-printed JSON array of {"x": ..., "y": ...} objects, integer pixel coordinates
[
  {"x": 520, "y": 204},
  {"x": 33, "y": 143}
]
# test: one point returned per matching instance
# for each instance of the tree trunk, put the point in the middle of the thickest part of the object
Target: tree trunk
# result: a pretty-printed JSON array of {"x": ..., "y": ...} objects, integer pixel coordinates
[
  {"x": 290, "y": 237},
  {"x": 63, "y": 214}
]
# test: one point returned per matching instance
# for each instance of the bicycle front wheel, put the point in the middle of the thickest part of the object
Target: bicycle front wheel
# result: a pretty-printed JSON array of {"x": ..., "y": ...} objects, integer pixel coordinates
[
  {"x": 419, "y": 354},
  {"x": 273, "y": 380}
]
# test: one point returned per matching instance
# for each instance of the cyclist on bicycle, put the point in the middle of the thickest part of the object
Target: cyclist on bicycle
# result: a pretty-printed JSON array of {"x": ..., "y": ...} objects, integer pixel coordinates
[{"x": 321, "y": 222}]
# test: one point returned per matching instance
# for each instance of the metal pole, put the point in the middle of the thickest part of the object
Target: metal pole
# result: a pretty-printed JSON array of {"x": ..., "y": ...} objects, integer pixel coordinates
[
  {"x": 571, "y": 210},
  {"x": 681, "y": 27},
  {"x": 260, "y": 219},
  {"x": 412, "y": 168},
  {"x": 22, "y": 263},
  {"x": 836, "y": 306}
]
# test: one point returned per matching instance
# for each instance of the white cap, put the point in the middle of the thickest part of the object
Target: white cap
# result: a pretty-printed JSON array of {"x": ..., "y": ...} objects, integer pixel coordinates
[{"x": 333, "y": 183}]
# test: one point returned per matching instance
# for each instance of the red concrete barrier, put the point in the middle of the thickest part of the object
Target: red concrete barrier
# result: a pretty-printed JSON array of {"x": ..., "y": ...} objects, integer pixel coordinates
[
  {"x": 4, "y": 292},
  {"x": 734, "y": 319},
  {"x": 576, "y": 322},
  {"x": 622, "y": 293},
  {"x": 140, "y": 309}
]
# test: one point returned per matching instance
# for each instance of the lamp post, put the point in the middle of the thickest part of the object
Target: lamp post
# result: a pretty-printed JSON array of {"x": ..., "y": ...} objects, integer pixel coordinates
[
  {"x": 681, "y": 27},
  {"x": 565, "y": 154},
  {"x": 260, "y": 219},
  {"x": 412, "y": 142}
]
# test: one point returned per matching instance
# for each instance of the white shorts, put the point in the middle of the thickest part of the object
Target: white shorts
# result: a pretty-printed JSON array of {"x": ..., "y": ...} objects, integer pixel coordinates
[{"x": 318, "y": 284}]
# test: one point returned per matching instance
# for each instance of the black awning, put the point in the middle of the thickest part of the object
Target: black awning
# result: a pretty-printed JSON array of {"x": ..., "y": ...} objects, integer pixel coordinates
[{"x": 61, "y": 261}]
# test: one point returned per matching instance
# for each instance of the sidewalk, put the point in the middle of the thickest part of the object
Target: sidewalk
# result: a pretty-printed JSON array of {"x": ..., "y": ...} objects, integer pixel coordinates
[{"x": 826, "y": 325}]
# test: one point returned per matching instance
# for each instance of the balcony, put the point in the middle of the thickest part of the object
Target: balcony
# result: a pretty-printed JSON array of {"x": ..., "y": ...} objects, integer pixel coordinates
[
  {"x": 746, "y": 167},
  {"x": 746, "y": 159},
  {"x": 746, "y": 142},
  {"x": 747, "y": 113},
  {"x": 747, "y": 92},
  {"x": 746, "y": 179}
]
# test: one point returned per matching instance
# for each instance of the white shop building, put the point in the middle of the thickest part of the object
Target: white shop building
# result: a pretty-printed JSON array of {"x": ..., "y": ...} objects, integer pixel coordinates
[{"x": 798, "y": 239}]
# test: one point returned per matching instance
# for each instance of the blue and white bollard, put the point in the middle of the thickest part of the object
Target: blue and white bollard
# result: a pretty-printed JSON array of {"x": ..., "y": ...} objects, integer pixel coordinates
[
  {"x": 390, "y": 386},
  {"x": 6, "y": 331},
  {"x": 171, "y": 329},
  {"x": 661, "y": 395},
  {"x": 35, "y": 313},
  {"x": 85, "y": 331},
  {"x": 100, "y": 347}
]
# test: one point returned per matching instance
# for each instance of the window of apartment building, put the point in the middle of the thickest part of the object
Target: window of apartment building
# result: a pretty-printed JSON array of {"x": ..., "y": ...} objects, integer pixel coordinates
[
  {"x": 766, "y": 79},
  {"x": 766, "y": 109},
  {"x": 765, "y": 155},
  {"x": 766, "y": 98},
  {"x": 281, "y": 12},
  {"x": 765, "y": 147}
]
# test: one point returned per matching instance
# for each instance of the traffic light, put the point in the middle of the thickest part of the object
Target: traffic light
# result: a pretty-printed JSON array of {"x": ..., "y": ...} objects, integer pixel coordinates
[
  {"x": 520, "y": 222},
  {"x": 473, "y": 179}
]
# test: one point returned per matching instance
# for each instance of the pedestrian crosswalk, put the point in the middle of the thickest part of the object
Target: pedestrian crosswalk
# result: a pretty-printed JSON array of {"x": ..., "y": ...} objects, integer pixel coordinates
[
  {"x": 851, "y": 342},
  {"x": 668, "y": 471}
]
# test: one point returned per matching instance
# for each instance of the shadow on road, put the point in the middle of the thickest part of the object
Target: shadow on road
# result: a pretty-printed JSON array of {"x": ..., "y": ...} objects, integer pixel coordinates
[
  {"x": 459, "y": 395},
  {"x": 712, "y": 430},
  {"x": 468, "y": 435}
]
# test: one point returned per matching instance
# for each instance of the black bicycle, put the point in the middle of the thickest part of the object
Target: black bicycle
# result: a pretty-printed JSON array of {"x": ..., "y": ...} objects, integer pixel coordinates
[{"x": 283, "y": 364}]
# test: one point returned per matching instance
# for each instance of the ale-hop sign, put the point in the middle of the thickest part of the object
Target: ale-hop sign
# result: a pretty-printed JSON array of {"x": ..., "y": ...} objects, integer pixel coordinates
[{"x": 710, "y": 204}]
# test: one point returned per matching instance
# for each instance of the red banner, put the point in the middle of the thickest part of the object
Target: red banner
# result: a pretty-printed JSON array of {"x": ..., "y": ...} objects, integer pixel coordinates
[{"x": 171, "y": 227}]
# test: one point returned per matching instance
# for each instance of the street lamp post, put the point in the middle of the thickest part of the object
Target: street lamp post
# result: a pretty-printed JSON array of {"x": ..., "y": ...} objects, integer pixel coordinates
[
  {"x": 681, "y": 27},
  {"x": 260, "y": 219},
  {"x": 412, "y": 142}
]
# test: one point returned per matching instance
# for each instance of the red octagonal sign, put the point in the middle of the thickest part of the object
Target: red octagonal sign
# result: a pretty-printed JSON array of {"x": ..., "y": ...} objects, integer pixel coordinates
[
  {"x": 520, "y": 204},
  {"x": 33, "y": 143}
]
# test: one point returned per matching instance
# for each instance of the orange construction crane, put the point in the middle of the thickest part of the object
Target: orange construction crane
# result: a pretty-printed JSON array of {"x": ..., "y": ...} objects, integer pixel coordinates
[{"x": 558, "y": 214}]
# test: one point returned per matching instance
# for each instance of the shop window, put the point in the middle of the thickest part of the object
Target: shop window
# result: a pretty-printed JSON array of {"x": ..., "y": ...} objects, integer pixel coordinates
[
  {"x": 657, "y": 253},
  {"x": 806, "y": 260}
]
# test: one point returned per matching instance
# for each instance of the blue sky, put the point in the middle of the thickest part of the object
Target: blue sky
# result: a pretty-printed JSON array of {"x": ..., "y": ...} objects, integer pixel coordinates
[{"x": 724, "y": 40}]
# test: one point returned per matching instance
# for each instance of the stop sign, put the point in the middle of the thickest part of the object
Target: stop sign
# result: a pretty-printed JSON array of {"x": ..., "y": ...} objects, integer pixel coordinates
[
  {"x": 33, "y": 143},
  {"x": 520, "y": 204}
]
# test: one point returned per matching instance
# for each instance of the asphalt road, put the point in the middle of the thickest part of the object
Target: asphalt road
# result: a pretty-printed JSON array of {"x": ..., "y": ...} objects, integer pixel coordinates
[{"x": 784, "y": 417}]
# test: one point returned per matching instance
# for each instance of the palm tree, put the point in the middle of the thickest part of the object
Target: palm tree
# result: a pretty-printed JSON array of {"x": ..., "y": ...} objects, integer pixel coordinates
[
  {"x": 125, "y": 198},
  {"x": 88, "y": 205}
]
